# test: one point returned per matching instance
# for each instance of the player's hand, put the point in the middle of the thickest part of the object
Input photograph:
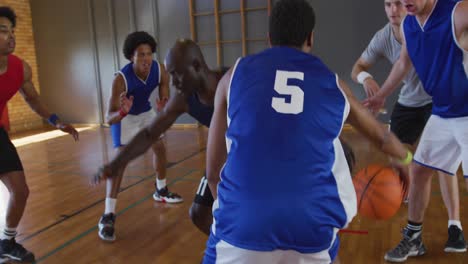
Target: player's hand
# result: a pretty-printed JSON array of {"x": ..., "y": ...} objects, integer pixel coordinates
[
  {"x": 403, "y": 173},
  {"x": 374, "y": 103},
  {"x": 69, "y": 129},
  {"x": 161, "y": 103},
  {"x": 370, "y": 87},
  {"x": 126, "y": 103},
  {"x": 103, "y": 173}
]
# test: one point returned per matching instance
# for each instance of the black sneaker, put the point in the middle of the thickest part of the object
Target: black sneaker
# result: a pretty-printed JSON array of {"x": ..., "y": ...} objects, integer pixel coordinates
[
  {"x": 165, "y": 196},
  {"x": 410, "y": 246},
  {"x": 11, "y": 250},
  {"x": 456, "y": 242},
  {"x": 106, "y": 227}
]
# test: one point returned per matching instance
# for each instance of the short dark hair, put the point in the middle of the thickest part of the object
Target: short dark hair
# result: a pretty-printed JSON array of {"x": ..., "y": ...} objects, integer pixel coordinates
[
  {"x": 6, "y": 11},
  {"x": 291, "y": 23},
  {"x": 134, "y": 40}
]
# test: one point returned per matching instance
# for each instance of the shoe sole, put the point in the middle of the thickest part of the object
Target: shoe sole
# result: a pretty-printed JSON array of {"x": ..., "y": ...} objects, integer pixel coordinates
[
  {"x": 112, "y": 239},
  {"x": 455, "y": 250},
  {"x": 107, "y": 239},
  {"x": 411, "y": 254},
  {"x": 6, "y": 257},
  {"x": 165, "y": 200}
]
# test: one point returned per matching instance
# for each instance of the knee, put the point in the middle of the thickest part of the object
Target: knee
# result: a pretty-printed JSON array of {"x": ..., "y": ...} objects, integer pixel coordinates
[{"x": 420, "y": 174}]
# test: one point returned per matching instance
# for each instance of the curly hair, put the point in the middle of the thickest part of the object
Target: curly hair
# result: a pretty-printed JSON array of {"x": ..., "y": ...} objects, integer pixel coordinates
[
  {"x": 134, "y": 40},
  {"x": 291, "y": 23},
  {"x": 7, "y": 12}
]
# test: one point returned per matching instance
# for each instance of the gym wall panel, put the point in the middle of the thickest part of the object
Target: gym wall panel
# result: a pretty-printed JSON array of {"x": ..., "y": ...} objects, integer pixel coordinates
[
  {"x": 105, "y": 49},
  {"x": 67, "y": 46},
  {"x": 65, "y": 59}
]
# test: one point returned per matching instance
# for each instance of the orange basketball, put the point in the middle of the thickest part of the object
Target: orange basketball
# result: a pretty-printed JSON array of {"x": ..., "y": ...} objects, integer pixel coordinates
[{"x": 379, "y": 192}]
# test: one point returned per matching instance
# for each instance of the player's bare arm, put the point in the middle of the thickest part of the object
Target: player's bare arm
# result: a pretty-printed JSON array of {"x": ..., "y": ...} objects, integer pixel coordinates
[
  {"x": 142, "y": 141},
  {"x": 115, "y": 111},
  {"x": 370, "y": 85},
  {"x": 164, "y": 91},
  {"x": 216, "y": 146},
  {"x": 399, "y": 70},
  {"x": 365, "y": 123},
  {"x": 461, "y": 24},
  {"x": 32, "y": 98}
]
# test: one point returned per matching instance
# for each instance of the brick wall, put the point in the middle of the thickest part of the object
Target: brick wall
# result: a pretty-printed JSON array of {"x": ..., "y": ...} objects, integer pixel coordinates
[{"x": 20, "y": 115}]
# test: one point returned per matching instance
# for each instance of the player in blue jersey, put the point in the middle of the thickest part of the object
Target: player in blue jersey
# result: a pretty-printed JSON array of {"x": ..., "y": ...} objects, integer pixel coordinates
[
  {"x": 414, "y": 105},
  {"x": 435, "y": 42},
  {"x": 129, "y": 111},
  {"x": 196, "y": 86},
  {"x": 275, "y": 163}
]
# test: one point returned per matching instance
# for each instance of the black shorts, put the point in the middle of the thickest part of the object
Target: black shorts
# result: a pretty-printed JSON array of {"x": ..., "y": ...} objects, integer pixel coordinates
[
  {"x": 408, "y": 122},
  {"x": 9, "y": 159},
  {"x": 203, "y": 195}
]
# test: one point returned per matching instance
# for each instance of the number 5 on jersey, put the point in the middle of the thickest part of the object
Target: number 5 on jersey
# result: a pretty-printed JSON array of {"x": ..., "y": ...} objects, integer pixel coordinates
[{"x": 296, "y": 105}]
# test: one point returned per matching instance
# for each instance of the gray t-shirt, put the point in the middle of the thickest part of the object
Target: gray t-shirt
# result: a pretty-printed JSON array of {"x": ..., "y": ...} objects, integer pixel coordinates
[{"x": 384, "y": 44}]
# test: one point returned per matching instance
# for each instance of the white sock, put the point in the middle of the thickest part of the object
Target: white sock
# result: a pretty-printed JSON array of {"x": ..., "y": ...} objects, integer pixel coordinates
[
  {"x": 160, "y": 183},
  {"x": 8, "y": 233},
  {"x": 110, "y": 205},
  {"x": 455, "y": 223}
]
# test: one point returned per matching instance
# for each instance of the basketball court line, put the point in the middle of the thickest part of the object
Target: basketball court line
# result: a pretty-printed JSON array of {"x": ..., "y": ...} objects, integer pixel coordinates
[
  {"x": 67, "y": 217},
  {"x": 94, "y": 228}
]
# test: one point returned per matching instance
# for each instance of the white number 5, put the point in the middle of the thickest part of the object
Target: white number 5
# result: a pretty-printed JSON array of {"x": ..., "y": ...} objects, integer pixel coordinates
[{"x": 296, "y": 106}]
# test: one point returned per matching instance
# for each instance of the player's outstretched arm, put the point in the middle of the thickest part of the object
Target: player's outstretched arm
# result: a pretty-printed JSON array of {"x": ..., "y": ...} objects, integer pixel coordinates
[
  {"x": 216, "y": 146},
  {"x": 360, "y": 75},
  {"x": 361, "y": 119},
  {"x": 143, "y": 140},
  {"x": 399, "y": 70},
  {"x": 364, "y": 122},
  {"x": 32, "y": 98}
]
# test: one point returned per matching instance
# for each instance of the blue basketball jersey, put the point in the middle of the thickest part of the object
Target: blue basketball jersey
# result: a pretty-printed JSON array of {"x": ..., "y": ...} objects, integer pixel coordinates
[
  {"x": 140, "y": 89},
  {"x": 438, "y": 60},
  {"x": 201, "y": 112},
  {"x": 286, "y": 183}
]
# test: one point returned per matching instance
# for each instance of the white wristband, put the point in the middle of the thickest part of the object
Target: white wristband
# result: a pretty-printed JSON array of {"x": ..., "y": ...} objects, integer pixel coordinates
[{"x": 362, "y": 76}]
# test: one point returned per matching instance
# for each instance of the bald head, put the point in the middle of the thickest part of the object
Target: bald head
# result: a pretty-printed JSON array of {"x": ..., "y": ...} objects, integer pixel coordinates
[
  {"x": 186, "y": 65},
  {"x": 185, "y": 52}
]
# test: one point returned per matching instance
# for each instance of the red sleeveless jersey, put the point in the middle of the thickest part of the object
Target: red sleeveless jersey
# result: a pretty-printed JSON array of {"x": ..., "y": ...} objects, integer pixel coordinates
[{"x": 10, "y": 81}]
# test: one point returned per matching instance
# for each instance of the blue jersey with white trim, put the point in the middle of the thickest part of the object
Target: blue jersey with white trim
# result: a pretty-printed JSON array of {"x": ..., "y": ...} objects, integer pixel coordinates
[
  {"x": 140, "y": 89},
  {"x": 286, "y": 183},
  {"x": 438, "y": 60}
]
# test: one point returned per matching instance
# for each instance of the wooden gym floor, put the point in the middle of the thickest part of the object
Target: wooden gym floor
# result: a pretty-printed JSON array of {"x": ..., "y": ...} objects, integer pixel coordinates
[{"x": 59, "y": 224}]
